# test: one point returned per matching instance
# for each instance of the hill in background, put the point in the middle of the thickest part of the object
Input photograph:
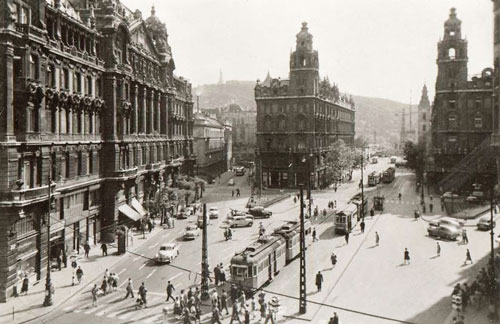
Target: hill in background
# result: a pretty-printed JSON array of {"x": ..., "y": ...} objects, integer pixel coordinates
[{"x": 373, "y": 115}]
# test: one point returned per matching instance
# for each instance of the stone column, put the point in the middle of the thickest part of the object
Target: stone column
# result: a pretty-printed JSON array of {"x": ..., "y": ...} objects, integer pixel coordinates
[
  {"x": 135, "y": 103},
  {"x": 150, "y": 111},
  {"x": 7, "y": 92},
  {"x": 157, "y": 112},
  {"x": 143, "y": 111},
  {"x": 164, "y": 113}
]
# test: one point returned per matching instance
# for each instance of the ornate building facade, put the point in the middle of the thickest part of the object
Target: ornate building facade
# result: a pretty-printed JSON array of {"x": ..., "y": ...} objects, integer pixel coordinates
[
  {"x": 90, "y": 112},
  {"x": 462, "y": 116},
  {"x": 424, "y": 118},
  {"x": 298, "y": 119}
]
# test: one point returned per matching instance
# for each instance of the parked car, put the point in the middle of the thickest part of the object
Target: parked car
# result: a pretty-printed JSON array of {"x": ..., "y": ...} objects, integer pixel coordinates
[
  {"x": 213, "y": 213},
  {"x": 192, "y": 231},
  {"x": 484, "y": 223},
  {"x": 443, "y": 231},
  {"x": 231, "y": 182},
  {"x": 167, "y": 252},
  {"x": 233, "y": 213},
  {"x": 190, "y": 210},
  {"x": 241, "y": 221},
  {"x": 259, "y": 211},
  {"x": 240, "y": 171}
]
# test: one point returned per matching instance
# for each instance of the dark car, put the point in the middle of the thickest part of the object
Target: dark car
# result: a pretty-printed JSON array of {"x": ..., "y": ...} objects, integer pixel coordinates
[
  {"x": 259, "y": 211},
  {"x": 443, "y": 231},
  {"x": 484, "y": 223}
]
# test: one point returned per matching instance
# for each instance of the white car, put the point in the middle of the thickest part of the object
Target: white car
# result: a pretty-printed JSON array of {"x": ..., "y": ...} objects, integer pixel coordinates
[
  {"x": 213, "y": 213},
  {"x": 241, "y": 221},
  {"x": 233, "y": 213},
  {"x": 167, "y": 252},
  {"x": 192, "y": 231}
]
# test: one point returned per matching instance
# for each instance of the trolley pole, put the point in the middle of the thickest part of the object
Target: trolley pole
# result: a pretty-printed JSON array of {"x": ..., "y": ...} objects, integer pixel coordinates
[
  {"x": 48, "y": 281},
  {"x": 302, "y": 283},
  {"x": 204, "y": 258},
  {"x": 362, "y": 185}
]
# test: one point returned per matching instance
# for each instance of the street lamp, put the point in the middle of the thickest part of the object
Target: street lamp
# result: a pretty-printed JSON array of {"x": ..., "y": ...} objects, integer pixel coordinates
[{"x": 48, "y": 281}]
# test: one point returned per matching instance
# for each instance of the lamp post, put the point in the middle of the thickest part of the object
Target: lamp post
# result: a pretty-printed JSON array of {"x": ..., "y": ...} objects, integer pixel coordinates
[
  {"x": 48, "y": 281},
  {"x": 308, "y": 159}
]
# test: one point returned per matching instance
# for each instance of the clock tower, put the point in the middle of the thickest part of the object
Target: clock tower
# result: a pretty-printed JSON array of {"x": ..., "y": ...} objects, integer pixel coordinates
[{"x": 304, "y": 65}]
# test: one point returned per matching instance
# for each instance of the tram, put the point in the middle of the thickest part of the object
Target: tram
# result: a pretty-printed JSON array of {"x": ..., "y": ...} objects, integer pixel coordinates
[
  {"x": 346, "y": 219},
  {"x": 389, "y": 175},
  {"x": 259, "y": 263},
  {"x": 290, "y": 231},
  {"x": 373, "y": 179}
]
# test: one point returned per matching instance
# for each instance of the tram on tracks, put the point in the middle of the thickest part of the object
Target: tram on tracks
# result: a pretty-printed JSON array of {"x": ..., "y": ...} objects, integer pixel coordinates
[
  {"x": 373, "y": 179},
  {"x": 389, "y": 175},
  {"x": 346, "y": 219},
  {"x": 290, "y": 231}
]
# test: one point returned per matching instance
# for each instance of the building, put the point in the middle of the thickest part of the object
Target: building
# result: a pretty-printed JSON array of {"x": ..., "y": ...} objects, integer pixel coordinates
[
  {"x": 244, "y": 130},
  {"x": 424, "y": 117},
  {"x": 92, "y": 115},
  {"x": 461, "y": 117},
  {"x": 298, "y": 120},
  {"x": 211, "y": 144}
]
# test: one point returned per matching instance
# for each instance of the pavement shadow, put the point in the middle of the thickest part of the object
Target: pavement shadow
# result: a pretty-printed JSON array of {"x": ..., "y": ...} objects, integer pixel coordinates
[
  {"x": 402, "y": 265},
  {"x": 328, "y": 233},
  {"x": 372, "y": 247},
  {"x": 313, "y": 293},
  {"x": 434, "y": 257}
]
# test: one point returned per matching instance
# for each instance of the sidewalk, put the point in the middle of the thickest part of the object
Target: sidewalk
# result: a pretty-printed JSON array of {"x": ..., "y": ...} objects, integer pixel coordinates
[{"x": 23, "y": 309}]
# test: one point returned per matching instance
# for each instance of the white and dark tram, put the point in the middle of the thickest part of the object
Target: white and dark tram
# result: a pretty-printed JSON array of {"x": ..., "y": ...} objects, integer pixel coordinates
[
  {"x": 259, "y": 262},
  {"x": 290, "y": 231}
]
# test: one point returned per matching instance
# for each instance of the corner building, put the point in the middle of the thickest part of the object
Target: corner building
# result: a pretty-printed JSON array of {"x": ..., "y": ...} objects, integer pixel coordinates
[
  {"x": 462, "y": 117},
  {"x": 298, "y": 119},
  {"x": 88, "y": 100}
]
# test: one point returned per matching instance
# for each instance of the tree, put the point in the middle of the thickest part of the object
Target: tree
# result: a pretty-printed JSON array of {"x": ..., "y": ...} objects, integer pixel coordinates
[
  {"x": 341, "y": 158},
  {"x": 414, "y": 155},
  {"x": 360, "y": 142}
]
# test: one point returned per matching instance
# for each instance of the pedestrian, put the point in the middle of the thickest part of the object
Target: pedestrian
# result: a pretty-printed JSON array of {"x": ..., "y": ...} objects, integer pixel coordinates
[
  {"x": 104, "y": 286},
  {"x": 237, "y": 192},
  {"x": 223, "y": 302},
  {"x": 235, "y": 315},
  {"x": 335, "y": 318},
  {"x": 314, "y": 235},
  {"x": 222, "y": 274},
  {"x": 94, "y": 295},
  {"x": 216, "y": 316},
  {"x": 468, "y": 257},
  {"x": 217, "y": 275},
  {"x": 86, "y": 247},
  {"x": 263, "y": 310},
  {"x": 406, "y": 256},
  {"x": 130, "y": 289},
  {"x": 110, "y": 282},
  {"x": 115, "y": 281},
  {"x": 346, "y": 236},
  {"x": 465, "y": 239},
  {"x": 362, "y": 225},
  {"x": 232, "y": 193},
  {"x": 170, "y": 290},
  {"x": 106, "y": 273},
  {"x": 25, "y": 286},
  {"x": 377, "y": 239},
  {"x": 372, "y": 213},
  {"x": 79, "y": 275},
  {"x": 438, "y": 249},
  {"x": 319, "y": 280},
  {"x": 247, "y": 316},
  {"x": 324, "y": 212},
  {"x": 270, "y": 313},
  {"x": 104, "y": 249},
  {"x": 142, "y": 293},
  {"x": 59, "y": 262},
  {"x": 253, "y": 307},
  {"x": 335, "y": 203},
  {"x": 400, "y": 196}
]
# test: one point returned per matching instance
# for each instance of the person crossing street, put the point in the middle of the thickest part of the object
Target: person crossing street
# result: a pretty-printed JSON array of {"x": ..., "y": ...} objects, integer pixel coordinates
[
  {"x": 170, "y": 290},
  {"x": 129, "y": 289},
  {"x": 406, "y": 256},
  {"x": 438, "y": 249},
  {"x": 377, "y": 239}
]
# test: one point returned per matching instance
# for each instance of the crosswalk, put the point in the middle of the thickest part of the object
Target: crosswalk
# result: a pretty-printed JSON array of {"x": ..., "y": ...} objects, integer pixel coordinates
[
  {"x": 400, "y": 202},
  {"x": 115, "y": 306}
]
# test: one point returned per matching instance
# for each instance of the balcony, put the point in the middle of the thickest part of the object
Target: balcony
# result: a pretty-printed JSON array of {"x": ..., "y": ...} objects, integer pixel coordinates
[
  {"x": 24, "y": 194},
  {"x": 127, "y": 173},
  {"x": 154, "y": 166}
]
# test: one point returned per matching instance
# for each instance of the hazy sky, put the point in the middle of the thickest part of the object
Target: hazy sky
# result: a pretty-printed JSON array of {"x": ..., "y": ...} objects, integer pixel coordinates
[{"x": 382, "y": 48}]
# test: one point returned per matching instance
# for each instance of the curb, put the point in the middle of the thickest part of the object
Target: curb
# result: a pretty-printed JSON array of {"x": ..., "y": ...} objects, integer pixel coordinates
[{"x": 56, "y": 306}]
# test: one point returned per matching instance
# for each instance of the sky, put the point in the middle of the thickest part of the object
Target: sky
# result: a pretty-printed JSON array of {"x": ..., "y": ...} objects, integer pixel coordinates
[{"x": 377, "y": 48}]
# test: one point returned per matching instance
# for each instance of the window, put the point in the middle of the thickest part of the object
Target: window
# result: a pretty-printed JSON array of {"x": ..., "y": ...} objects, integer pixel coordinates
[
  {"x": 452, "y": 33},
  {"x": 478, "y": 122},
  {"x": 478, "y": 104},
  {"x": 90, "y": 161},
  {"x": 301, "y": 144},
  {"x": 25, "y": 15},
  {"x": 424, "y": 116},
  {"x": 31, "y": 176},
  {"x": 67, "y": 162},
  {"x": 451, "y": 104},
  {"x": 77, "y": 82},
  {"x": 34, "y": 67},
  {"x": 25, "y": 225},
  {"x": 94, "y": 198},
  {"x": 65, "y": 79},
  {"x": 452, "y": 121},
  {"x": 282, "y": 124},
  {"x": 451, "y": 53},
  {"x": 423, "y": 128},
  {"x": 90, "y": 88},
  {"x": 51, "y": 77},
  {"x": 268, "y": 144},
  {"x": 80, "y": 163}
]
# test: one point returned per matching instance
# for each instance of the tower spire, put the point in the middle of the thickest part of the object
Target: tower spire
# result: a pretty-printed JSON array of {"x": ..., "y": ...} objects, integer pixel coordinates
[{"x": 221, "y": 80}]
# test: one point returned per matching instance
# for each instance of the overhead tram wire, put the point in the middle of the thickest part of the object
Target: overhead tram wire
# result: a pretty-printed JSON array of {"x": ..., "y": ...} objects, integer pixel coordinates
[{"x": 350, "y": 310}]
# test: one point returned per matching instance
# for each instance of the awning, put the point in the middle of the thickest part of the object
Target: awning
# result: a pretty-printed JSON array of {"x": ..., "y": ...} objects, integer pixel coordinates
[
  {"x": 129, "y": 212},
  {"x": 138, "y": 207}
]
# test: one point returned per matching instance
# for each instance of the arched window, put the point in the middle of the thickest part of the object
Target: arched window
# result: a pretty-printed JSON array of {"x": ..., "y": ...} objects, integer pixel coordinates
[
  {"x": 452, "y": 121},
  {"x": 268, "y": 123},
  {"x": 269, "y": 143},
  {"x": 301, "y": 144},
  {"x": 451, "y": 53},
  {"x": 301, "y": 123}
]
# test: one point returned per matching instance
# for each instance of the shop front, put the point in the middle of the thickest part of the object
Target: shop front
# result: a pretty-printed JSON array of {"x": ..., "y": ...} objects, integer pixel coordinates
[{"x": 26, "y": 257}]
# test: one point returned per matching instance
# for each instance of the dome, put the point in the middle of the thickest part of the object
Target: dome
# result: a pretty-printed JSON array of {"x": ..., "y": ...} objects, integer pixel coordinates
[{"x": 453, "y": 20}]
